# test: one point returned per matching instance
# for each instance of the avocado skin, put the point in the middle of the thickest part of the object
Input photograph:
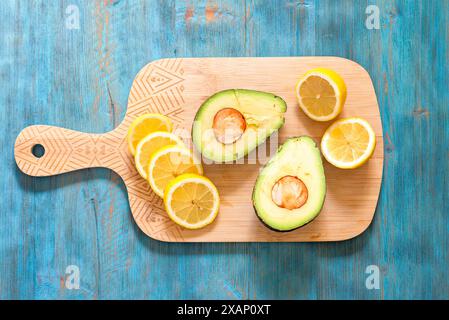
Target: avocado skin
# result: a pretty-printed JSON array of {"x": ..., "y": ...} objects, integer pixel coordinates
[
  {"x": 254, "y": 190},
  {"x": 202, "y": 108},
  {"x": 277, "y": 230}
]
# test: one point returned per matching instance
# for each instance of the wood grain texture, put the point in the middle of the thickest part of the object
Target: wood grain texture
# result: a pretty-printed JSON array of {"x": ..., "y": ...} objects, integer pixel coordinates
[
  {"x": 176, "y": 88},
  {"x": 80, "y": 79}
]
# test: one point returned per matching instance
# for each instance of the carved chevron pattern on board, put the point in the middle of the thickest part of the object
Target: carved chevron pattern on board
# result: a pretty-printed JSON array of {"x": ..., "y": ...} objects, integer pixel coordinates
[
  {"x": 65, "y": 150},
  {"x": 158, "y": 88}
]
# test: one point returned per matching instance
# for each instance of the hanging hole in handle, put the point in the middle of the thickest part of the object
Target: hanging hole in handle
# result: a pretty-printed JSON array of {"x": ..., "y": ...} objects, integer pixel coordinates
[{"x": 38, "y": 150}]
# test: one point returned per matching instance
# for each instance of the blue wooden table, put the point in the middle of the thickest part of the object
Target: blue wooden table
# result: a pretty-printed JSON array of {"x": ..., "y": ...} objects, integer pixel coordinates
[{"x": 60, "y": 71}]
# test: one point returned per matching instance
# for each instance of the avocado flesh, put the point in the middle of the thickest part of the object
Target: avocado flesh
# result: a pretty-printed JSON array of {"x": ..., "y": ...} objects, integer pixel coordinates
[
  {"x": 263, "y": 113},
  {"x": 298, "y": 157}
]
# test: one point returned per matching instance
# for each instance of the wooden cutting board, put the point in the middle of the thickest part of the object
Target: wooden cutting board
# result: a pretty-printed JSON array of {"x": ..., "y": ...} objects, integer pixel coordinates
[{"x": 176, "y": 88}]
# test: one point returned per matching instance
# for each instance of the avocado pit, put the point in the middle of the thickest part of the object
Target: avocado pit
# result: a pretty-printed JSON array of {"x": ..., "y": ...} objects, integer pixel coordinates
[
  {"x": 229, "y": 125},
  {"x": 289, "y": 192}
]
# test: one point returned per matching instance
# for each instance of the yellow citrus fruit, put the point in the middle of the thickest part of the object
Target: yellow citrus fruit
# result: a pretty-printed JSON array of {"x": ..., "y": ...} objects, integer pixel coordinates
[
  {"x": 321, "y": 94},
  {"x": 348, "y": 143},
  {"x": 144, "y": 125},
  {"x": 191, "y": 201},
  {"x": 150, "y": 144},
  {"x": 169, "y": 162}
]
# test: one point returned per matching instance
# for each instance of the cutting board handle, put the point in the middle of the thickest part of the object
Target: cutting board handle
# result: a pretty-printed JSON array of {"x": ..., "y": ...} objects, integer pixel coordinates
[{"x": 42, "y": 150}]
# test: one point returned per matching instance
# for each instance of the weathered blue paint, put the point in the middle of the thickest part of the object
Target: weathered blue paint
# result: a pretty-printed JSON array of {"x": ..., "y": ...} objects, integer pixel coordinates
[{"x": 80, "y": 79}]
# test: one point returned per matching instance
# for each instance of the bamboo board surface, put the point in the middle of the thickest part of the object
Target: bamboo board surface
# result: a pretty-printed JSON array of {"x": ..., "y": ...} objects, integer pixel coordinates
[{"x": 176, "y": 88}]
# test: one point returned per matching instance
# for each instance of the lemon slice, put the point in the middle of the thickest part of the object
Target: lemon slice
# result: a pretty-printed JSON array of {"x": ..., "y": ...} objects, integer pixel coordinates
[
  {"x": 150, "y": 144},
  {"x": 144, "y": 125},
  {"x": 321, "y": 94},
  {"x": 191, "y": 201},
  {"x": 169, "y": 162},
  {"x": 348, "y": 143}
]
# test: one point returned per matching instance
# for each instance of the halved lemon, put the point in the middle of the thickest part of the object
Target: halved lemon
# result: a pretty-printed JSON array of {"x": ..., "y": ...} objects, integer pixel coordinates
[
  {"x": 191, "y": 201},
  {"x": 348, "y": 143},
  {"x": 150, "y": 144},
  {"x": 144, "y": 125},
  {"x": 168, "y": 163},
  {"x": 321, "y": 94}
]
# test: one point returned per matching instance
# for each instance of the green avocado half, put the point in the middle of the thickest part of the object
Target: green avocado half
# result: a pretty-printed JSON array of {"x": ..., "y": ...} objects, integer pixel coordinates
[
  {"x": 255, "y": 114},
  {"x": 290, "y": 190}
]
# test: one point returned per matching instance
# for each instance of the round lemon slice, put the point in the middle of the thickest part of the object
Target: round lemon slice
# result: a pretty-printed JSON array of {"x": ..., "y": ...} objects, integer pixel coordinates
[
  {"x": 169, "y": 162},
  {"x": 321, "y": 94},
  {"x": 191, "y": 200},
  {"x": 144, "y": 125},
  {"x": 150, "y": 144},
  {"x": 348, "y": 143}
]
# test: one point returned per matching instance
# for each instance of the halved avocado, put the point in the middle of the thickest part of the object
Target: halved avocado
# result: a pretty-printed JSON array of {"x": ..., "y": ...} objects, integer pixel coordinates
[
  {"x": 290, "y": 190},
  {"x": 232, "y": 123}
]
